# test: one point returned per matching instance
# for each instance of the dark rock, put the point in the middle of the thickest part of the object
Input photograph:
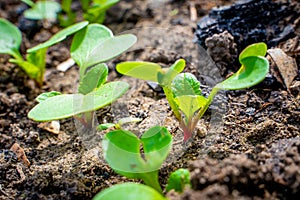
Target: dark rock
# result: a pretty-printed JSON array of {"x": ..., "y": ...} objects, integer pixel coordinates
[{"x": 251, "y": 21}]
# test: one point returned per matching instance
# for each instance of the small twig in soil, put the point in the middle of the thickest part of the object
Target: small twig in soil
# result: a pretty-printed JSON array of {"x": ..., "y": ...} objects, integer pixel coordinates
[
  {"x": 193, "y": 12},
  {"x": 19, "y": 151}
]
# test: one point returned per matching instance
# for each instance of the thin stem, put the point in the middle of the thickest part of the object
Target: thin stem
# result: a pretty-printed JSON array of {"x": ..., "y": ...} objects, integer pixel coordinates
[
  {"x": 16, "y": 54},
  {"x": 89, "y": 118},
  {"x": 187, "y": 132},
  {"x": 151, "y": 179}
]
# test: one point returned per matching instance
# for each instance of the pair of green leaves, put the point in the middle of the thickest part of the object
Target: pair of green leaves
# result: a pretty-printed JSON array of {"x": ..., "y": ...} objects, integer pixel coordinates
[
  {"x": 122, "y": 152},
  {"x": 183, "y": 90},
  {"x": 91, "y": 47},
  {"x": 140, "y": 159}
]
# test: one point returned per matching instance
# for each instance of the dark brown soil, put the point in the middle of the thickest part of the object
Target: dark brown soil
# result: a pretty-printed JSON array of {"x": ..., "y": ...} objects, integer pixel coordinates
[{"x": 247, "y": 146}]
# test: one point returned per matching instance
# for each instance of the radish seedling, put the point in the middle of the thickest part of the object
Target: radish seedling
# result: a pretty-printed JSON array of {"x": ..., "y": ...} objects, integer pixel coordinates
[
  {"x": 140, "y": 159},
  {"x": 118, "y": 125},
  {"x": 122, "y": 152},
  {"x": 95, "y": 10},
  {"x": 91, "y": 47},
  {"x": 35, "y": 63},
  {"x": 42, "y": 10},
  {"x": 178, "y": 180},
  {"x": 183, "y": 90}
]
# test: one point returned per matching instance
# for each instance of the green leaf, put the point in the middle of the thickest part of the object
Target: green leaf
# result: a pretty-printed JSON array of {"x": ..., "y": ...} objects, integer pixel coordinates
[
  {"x": 96, "y": 13},
  {"x": 185, "y": 84},
  {"x": 165, "y": 79},
  {"x": 105, "y": 126},
  {"x": 127, "y": 120},
  {"x": 35, "y": 65},
  {"x": 67, "y": 105},
  {"x": 156, "y": 142},
  {"x": 66, "y": 5},
  {"x": 85, "y": 4},
  {"x": 30, "y": 69},
  {"x": 10, "y": 39},
  {"x": 111, "y": 48},
  {"x": 143, "y": 70},
  {"x": 254, "y": 69},
  {"x": 46, "y": 95},
  {"x": 60, "y": 36},
  {"x": 122, "y": 151},
  {"x": 96, "y": 44},
  {"x": 189, "y": 104},
  {"x": 43, "y": 10},
  {"x": 126, "y": 191},
  {"x": 257, "y": 49},
  {"x": 178, "y": 180},
  {"x": 93, "y": 79},
  {"x": 178, "y": 66},
  {"x": 28, "y": 2},
  {"x": 86, "y": 40}
]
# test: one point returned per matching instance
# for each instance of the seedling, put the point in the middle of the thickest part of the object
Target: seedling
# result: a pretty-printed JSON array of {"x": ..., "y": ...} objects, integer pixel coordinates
[
  {"x": 178, "y": 180},
  {"x": 42, "y": 10},
  {"x": 67, "y": 16},
  {"x": 140, "y": 159},
  {"x": 122, "y": 152},
  {"x": 118, "y": 125},
  {"x": 35, "y": 63},
  {"x": 182, "y": 90},
  {"x": 95, "y": 10},
  {"x": 91, "y": 47}
]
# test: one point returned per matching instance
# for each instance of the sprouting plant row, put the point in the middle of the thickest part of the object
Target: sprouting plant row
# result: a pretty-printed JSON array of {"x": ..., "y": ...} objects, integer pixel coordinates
[
  {"x": 91, "y": 47},
  {"x": 94, "y": 11}
]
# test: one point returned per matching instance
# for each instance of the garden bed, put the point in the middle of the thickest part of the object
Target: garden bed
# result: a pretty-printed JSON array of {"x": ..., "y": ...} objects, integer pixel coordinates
[{"x": 247, "y": 145}]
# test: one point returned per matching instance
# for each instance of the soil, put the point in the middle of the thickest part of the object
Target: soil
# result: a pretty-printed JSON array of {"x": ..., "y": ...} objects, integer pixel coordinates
[{"x": 247, "y": 146}]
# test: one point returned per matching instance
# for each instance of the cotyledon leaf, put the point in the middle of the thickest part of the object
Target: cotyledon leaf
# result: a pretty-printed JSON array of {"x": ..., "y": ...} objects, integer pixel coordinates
[
  {"x": 257, "y": 49},
  {"x": 10, "y": 37},
  {"x": 252, "y": 71},
  {"x": 67, "y": 105},
  {"x": 86, "y": 40},
  {"x": 59, "y": 36},
  {"x": 122, "y": 151},
  {"x": 143, "y": 70}
]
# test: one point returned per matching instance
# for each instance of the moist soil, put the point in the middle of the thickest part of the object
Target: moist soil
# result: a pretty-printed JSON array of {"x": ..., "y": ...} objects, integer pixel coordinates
[{"x": 247, "y": 146}]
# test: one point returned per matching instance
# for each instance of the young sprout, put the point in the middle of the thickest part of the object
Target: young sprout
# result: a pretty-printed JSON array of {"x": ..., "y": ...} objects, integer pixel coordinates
[
  {"x": 91, "y": 47},
  {"x": 118, "y": 125},
  {"x": 139, "y": 158},
  {"x": 42, "y": 10},
  {"x": 182, "y": 90},
  {"x": 95, "y": 10},
  {"x": 35, "y": 63},
  {"x": 178, "y": 180}
]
